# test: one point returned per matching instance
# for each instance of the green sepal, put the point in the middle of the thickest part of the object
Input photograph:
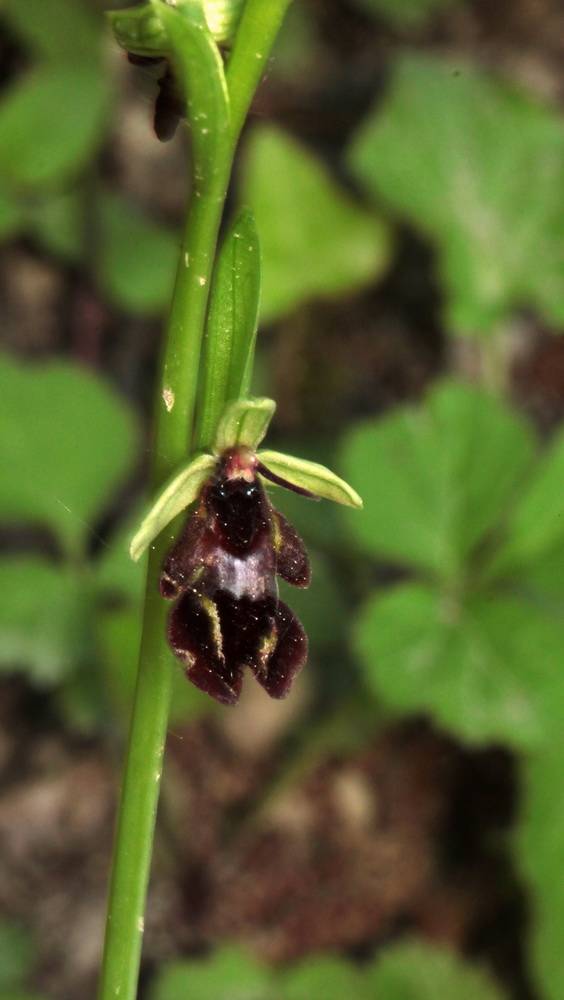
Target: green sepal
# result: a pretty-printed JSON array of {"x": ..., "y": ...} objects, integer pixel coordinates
[
  {"x": 310, "y": 476},
  {"x": 244, "y": 424},
  {"x": 178, "y": 493},
  {"x": 139, "y": 30}
]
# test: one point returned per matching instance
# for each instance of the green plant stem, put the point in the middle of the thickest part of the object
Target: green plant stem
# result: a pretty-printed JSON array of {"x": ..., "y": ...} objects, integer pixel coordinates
[
  {"x": 173, "y": 422},
  {"x": 259, "y": 25}
]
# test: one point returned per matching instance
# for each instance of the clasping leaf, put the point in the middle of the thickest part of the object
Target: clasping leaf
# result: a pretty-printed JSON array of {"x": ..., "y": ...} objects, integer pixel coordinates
[{"x": 232, "y": 322}]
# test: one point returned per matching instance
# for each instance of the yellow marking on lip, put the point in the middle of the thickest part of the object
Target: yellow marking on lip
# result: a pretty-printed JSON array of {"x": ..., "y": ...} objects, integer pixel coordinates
[
  {"x": 210, "y": 607},
  {"x": 276, "y": 534},
  {"x": 267, "y": 647}
]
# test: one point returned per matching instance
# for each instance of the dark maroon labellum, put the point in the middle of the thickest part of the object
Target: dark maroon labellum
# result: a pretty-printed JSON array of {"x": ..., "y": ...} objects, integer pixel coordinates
[{"x": 222, "y": 573}]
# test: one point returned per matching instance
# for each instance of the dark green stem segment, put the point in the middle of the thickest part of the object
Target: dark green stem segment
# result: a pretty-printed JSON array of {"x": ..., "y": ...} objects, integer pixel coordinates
[{"x": 174, "y": 420}]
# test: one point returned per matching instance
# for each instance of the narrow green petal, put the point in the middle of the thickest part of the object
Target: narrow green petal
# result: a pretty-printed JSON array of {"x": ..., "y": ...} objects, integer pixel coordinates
[
  {"x": 244, "y": 423},
  {"x": 178, "y": 493},
  {"x": 310, "y": 476}
]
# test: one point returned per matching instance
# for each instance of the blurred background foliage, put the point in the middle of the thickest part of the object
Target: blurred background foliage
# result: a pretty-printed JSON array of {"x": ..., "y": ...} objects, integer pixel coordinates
[{"x": 396, "y": 829}]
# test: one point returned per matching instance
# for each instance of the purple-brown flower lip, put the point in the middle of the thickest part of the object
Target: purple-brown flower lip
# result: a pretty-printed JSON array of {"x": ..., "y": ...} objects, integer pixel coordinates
[{"x": 222, "y": 573}]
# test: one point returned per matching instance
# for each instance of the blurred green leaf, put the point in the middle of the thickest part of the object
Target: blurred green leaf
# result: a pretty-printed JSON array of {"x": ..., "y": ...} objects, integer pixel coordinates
[
  {"x": 56, "y": 29},
  {"x": 226, "y": 975},
  {"x": 51, "y": 122},
  {"x": 536, "y": 523},
  {"x": 540, "y": 856},
  {"x": 321, "y": 608},
  {"x": 66, "y": 444},
  {"x": 19, "y": 995},
  {"x": 413, "y": 971},
  {"x": 118, "y": 634},
  {"x": 542, "y": 577},
  {"x": 298, "y": 45},
  {"x": 119, "y": 637},
  {"x": 326, "y": 978},
  {"x": 139, "y": 281},
  {"x": 327, "y": 533},
  {"x": 115, "y": 573},
  {"x": 80, "y": 700},
  {"x": 136, "y": 257},
  {"x": 405, "y": 13},
  {"x": 315, "y": 240},
  {"x": 16, "y": 956},
  {"x": 489, "y": 669},
  {"x": 43, "y": 619},
  {"x": 57, "y": 223},
  {"x": 11, "y": 215},
  {"x": 434, "y": 479},
  {"x": 453, "y": 151}
]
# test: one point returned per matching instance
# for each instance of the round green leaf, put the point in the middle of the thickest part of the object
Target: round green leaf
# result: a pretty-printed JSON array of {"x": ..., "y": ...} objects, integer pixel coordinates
[
  {"x": 44, "y": 619},
  {"x": 315, "y": 241},
  {"x": 66, "y": 443},
  {"x": 51, "y": 122},
  {"x": 536, "y": 523},
  {"x": 453, "y": 151},
  {"x": 57, "y": 222},
  {"x": 489, "y": 670},
  {"x": 414, "y": 971},
  {"x": 436, "y": 478},
  {"x": 540, "y": 857},
  {"x": 56, "y": 29},
  {"x": 137, "y": 257},
  {"x": 324, "y": 977},
  {"x": 226, "y": 975}
]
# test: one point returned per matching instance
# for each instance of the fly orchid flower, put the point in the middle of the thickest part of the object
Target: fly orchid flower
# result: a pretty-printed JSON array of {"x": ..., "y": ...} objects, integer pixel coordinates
[{"x": 222, "y": 571}]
